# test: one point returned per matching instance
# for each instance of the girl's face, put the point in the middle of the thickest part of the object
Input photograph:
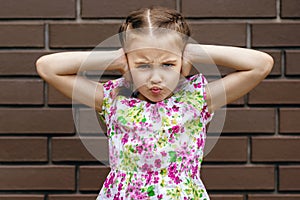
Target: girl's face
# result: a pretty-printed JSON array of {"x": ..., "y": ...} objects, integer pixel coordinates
[{"x": 155, "y": 66}]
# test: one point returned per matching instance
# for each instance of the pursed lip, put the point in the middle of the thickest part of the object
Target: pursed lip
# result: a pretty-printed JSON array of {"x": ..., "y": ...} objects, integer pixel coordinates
[{"x": 155, "y": 88}]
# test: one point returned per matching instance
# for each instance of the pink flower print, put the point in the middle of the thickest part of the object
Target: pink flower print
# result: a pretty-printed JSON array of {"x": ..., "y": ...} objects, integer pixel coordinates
[
  {"x": 109, "y": 181},
  {"x": 157, "y": 163},
  {"x": 108, "y": 84},
  {"x": 197, "y": 85},
  {"x": 159, "y": 196},
  {"x": 175, "y": 129},
  {"x": 120, "y": 186},
  {"x": 145, "y": 167},
  {"x": 132, "y": 102},
  {"x": 163, "y": 153},
  {"x": 125, "y": 139},
  {"x": 139, "y": 149},
  {"x": 175, "y": 108},
  {"x": 200, "y": 142}
]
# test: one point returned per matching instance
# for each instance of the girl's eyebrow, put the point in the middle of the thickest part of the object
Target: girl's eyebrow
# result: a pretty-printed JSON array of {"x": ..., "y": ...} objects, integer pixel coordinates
[{"x": 146, "y": 61}]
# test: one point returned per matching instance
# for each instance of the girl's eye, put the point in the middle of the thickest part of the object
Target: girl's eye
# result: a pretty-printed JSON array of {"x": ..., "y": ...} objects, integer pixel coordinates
[
  {"x": 144, "y": 66},
  {"x": 168, "y": 65}
]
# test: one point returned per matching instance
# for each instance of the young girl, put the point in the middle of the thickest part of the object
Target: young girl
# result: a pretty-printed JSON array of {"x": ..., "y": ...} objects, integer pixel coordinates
[{"x": 156, "y": 135}]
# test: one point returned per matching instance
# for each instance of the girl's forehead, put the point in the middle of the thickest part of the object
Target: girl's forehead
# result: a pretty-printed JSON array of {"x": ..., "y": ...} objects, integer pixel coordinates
[{"x": 164, "y": 43}]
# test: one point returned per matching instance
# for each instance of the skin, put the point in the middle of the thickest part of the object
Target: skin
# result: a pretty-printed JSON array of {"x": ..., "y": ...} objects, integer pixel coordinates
[
  {"x": 152, "y": 67},
  {"x": 252, "y": 66}
]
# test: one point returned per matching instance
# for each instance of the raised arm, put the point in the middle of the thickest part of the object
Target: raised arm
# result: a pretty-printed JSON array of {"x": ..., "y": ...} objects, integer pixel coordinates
[
  {"x": 252, "y": 67},
  {"x": 60, "y": 70}
]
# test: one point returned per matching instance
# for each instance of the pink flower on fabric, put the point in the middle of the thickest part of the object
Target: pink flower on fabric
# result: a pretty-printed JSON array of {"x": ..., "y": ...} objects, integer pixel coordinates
[
  {"x": 175, "y": 129},
  {"x": 200, "y": 142},
  {"x": 197, "y": 85},
  {"x": 145, "y": 167},
  {"x": 159, "y": 196},
  {"x": 175, "y": 108},
  {"x": 125, "y": 139},
  {"x": 108, "y": 84},
  {"x": 163, "y": 153},
  {"x": 157, "y": 163}
]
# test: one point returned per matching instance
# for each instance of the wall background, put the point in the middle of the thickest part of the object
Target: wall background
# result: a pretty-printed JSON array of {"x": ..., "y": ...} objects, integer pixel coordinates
[{"x": 41, "y": 158}]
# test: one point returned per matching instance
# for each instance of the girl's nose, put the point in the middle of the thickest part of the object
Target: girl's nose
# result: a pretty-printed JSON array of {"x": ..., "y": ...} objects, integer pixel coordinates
[{"x": 156, "y": 76}]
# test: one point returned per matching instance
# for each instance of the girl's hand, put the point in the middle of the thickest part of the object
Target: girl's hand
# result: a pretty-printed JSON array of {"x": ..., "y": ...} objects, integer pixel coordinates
[
  {"x": 121, "y": 63},
  {"x": 186, "y": 62}
]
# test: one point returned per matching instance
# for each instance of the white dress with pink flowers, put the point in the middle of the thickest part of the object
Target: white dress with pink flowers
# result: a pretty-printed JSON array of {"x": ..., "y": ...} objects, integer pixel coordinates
[{"x": 156, "y": 149}]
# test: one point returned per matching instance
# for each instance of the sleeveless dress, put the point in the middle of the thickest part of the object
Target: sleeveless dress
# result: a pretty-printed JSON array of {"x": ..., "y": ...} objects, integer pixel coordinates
[{"x": 156, "y": 149}]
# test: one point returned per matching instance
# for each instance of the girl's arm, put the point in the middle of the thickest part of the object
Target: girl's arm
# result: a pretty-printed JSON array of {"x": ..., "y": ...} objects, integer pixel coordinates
[
  {"x": 252, "y": 67},
  {"x": 60, "y": 71}
]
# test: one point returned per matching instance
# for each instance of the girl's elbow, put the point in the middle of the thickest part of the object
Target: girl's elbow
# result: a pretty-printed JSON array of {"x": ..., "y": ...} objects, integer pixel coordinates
[
  {"x": 268, "y": 65},
  {"x": 42, "y": 67}
]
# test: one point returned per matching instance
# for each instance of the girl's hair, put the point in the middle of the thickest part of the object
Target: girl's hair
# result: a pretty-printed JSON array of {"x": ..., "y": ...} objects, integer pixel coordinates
[{"x": 155, "y": 17}]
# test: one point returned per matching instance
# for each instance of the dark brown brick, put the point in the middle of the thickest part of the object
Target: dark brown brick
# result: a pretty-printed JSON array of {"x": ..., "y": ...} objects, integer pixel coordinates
[
  {"x": 55, "y": 97},
  {"x": 227, "y": 149},
  {"x": 89, "y": 123},
  {"x": 21, "y": 197},
  {"x": 36, "y": 120},
  {"x": 72, "y": 196},
  {"x": 280, "y": 91},
  {"x": 23, "y": 149},
  {"x": 290, "y": 9},
  {"x": 292, "y": 62},
  {"x": 289, "y": 120},
  {"x": 233, "y": 177},
  {"x": 229, "y": 8},
  {"x": 219, "y": 33},
  {"x": 24, "y": 65},
  {"x": 82, "y": 35},
  {"x": 273, "y": 196},
  {"x": 21, "y": 91},
  {"x": 276, "y": 55},
  {"x": 289, "y": 178},
  {"x": 275, "y": 34},
  {"x": 37, "y": 9},
  {"x": 117, "y": 8},
  {"x": 21, "y": 35},
  {"x": 92, "y": 178},
  {"x": 275, "y": 149},
  {"x": 80, "y": 149},
  {"x": 37, "y": 178},
  {"x": 226, "y": 197},
  {"x": 246, "y": 120}
]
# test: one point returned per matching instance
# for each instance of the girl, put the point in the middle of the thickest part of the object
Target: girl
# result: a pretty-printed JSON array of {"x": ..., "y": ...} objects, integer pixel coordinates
[{"x": 157, "y": 134}]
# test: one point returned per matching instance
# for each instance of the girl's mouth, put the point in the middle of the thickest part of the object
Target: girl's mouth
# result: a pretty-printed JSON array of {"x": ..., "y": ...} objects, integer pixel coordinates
[{"x": 156, "y": 90}]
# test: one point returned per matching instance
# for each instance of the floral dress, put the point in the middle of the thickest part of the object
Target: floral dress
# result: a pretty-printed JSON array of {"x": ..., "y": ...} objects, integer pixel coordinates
[{"x": 156, "y": 149}]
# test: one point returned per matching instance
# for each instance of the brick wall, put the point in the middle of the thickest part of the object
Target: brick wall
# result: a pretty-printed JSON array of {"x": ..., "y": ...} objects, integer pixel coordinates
[{"x": 42, "y": 158}]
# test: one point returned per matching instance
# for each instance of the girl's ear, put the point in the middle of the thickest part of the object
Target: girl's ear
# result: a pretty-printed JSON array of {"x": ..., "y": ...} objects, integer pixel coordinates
[{"x": 186, "y": 67}]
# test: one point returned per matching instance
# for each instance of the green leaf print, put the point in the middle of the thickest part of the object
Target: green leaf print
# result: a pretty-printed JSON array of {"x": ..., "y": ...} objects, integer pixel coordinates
[
  {"x": 173, "y": 156},
  {"x": 150, "y": 190},
  {"x": 144, "y": 119},
  {"x": 122, "y": 120}
]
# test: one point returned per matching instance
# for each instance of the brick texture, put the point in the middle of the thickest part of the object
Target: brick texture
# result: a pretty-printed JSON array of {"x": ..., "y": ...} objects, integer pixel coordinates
[
  {"x": 290, "y": 9},
  {"x": 21, "y": 35},
  {"x": 23, "y": 149},
  {"x": 275, "y": 34},
  {"x": 276, "y": 92},
  {"x": 292, "y": 62},
  {"x": 280, "y": 149},
  {"x": 289, "y": 178},
  {"x": 46, "y": 9},
  {"x": 229, "y": 8},
  {"x": 24, "y": 91},
  {"x": 102, "y": 9},
  {"x": 54, "y": 149}
]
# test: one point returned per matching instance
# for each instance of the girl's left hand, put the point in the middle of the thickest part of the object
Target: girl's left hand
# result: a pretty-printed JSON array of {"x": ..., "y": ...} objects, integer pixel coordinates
[{"x": 186, "y": 62}]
